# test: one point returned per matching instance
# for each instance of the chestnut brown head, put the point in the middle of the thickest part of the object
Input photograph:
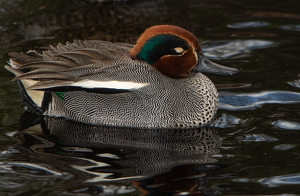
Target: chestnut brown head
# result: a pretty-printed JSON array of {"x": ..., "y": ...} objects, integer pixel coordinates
[{"x": 175, "y": 52}]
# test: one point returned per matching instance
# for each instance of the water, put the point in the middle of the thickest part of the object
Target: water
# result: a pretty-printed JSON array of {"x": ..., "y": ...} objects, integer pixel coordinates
[{"x": 252, "y": 150}]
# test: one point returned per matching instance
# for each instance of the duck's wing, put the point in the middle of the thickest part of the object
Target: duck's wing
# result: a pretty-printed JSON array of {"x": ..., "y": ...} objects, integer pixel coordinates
[{"x": 82, "y": 65}]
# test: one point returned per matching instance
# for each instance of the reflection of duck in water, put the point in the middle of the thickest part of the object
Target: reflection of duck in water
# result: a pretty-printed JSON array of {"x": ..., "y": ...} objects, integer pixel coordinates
[
  {"x": 155, "y": 84},
  {"x": 97, "y": 154}
]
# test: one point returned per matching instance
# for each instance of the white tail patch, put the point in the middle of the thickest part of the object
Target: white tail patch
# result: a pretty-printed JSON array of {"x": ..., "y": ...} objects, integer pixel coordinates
[
  {"x": 121, "y": 85},
  {"x": 36, "y": 96}
]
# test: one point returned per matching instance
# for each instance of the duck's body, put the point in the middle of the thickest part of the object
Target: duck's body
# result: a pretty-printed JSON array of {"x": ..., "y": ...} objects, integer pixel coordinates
[{"x": 116, "y": 84}]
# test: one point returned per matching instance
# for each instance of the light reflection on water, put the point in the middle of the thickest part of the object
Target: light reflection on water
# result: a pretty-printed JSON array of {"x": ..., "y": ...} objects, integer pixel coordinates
[
  {"x": 28, "y": 168},
  {"x": 226, "y": 121},
  {"x": 252, "y": 24},
  {"x": 291, "y": 27},
  {"x": 295, "y": 83},
  {"x": 246, "y": 101},
  {"x": 258, "y": 138},
  {"x": 287, "y": 124},
  {"x": 264, "y": 36},
  {"x": 98, "y": 154},
  {"x": 291, "y": 179},
  {"x": 233, "y": 49},
  {"x": 283, "y": 147}
]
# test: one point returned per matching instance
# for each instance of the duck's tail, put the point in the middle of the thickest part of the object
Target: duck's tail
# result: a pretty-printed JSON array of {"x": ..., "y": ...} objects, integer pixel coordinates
[{"x": 32, "y": 98}]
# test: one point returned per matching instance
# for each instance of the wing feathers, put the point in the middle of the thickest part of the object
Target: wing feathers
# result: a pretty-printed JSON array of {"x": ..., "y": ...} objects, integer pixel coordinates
[
  {"x": 13, "y": 70},
  {"x": 44, "y": 85},
  {"x": 53, "y": 65},
  {"x": 43, "y": 74},
  {"x": 22, "y": 58},
  {"x": 68, "y": 67}
]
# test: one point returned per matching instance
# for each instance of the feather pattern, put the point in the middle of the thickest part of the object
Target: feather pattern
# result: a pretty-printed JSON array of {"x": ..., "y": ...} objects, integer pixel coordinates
[
  {"x": 141, "y": 95},
  {"x": 55, "y": 65}
]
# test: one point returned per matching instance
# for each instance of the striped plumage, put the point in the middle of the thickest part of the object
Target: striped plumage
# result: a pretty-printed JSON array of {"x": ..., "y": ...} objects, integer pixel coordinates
[{"x": 99, "y": 82}]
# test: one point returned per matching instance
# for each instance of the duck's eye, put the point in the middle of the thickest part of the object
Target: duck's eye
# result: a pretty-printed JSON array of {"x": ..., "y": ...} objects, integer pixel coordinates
[{"x": 178, "y": 50}]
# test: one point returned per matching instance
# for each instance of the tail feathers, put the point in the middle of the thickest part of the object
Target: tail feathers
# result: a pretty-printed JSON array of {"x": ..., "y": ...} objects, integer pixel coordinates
[
  {"x": 36, "y": 101},
  {"x": 13, "y": 70},
  {"x": 23, "y": 58},
  {"x": 33, "y": 99}
]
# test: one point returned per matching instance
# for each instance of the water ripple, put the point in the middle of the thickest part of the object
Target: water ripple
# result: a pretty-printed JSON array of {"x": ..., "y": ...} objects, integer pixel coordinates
[
  {"x": 246, "y": 101},
  {"x": 283, "y": 147},
  {"x": 286, "y": 125},
  {"x": 291, "y": 27},
  {"x": 238, "y": 48},
  {"x": 257, "y": 138},
  {"x": 104, "y": 190},
  {"x": 28, "y": 168},
  {"x": 250, "y": 24},
  {"x": 295, "y": 83},
  {"x": 226, "y": 121},
  {"x": 291, "y": 179}
]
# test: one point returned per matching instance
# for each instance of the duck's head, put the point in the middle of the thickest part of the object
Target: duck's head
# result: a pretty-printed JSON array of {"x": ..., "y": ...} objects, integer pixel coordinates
[{"x": 175, "y": 52}]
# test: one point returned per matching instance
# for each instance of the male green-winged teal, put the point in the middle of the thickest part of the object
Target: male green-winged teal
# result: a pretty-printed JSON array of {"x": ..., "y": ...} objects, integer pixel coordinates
[{"x": 156, "y": 83}]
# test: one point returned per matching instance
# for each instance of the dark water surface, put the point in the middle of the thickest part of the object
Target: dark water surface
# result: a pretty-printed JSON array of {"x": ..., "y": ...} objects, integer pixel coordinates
[{"x": 252, "y": 150}]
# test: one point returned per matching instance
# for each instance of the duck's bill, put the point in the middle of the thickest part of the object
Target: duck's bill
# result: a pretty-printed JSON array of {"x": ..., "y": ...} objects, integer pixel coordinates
[{"x": 206, "y": 65}]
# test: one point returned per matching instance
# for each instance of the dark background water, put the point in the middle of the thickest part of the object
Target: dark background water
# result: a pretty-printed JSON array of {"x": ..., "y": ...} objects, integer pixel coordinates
[{"x": 253, "y": 149}]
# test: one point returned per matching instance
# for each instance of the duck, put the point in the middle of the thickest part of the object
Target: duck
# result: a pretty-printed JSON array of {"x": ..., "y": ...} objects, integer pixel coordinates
[{"x": 156, "y": 83}]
